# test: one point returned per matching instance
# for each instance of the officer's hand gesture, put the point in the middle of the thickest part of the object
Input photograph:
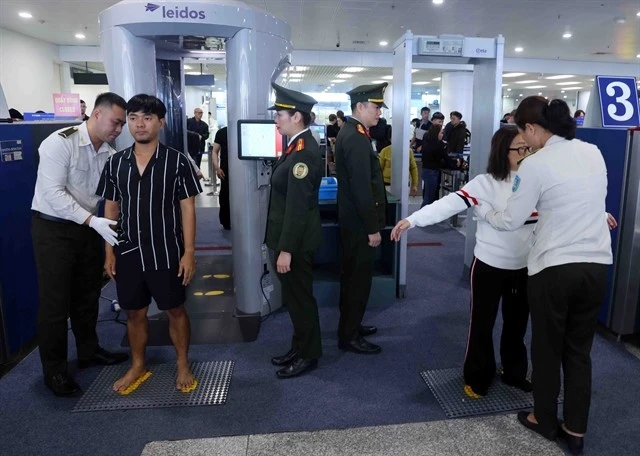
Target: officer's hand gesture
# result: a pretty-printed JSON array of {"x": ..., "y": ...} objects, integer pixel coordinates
[
  {"x": 102, "y": 226},
  {"x": 402, "y": 226},
  {"x": 375, "y": 239},
  {"x": 283, "y": 265}
]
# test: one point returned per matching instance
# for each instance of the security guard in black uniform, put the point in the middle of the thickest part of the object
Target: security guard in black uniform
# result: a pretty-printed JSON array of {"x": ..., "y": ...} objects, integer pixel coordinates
[
  {"x": 294, "y": 231},
  {"x": 361, "y": 214}
]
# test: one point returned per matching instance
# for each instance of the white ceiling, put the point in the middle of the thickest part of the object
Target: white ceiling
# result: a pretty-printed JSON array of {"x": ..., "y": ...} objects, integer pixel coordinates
[{"x": 536, "y": 25}]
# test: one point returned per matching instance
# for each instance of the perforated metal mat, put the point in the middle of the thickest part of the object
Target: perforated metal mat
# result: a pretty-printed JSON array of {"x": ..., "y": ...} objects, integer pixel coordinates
[
  {"x": 159, "y": 390},
  {"x": 447, "y": 386}
]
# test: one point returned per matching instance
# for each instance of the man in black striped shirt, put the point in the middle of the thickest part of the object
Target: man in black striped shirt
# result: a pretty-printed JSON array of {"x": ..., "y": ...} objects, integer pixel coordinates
[{"x": 150, "y": 189}]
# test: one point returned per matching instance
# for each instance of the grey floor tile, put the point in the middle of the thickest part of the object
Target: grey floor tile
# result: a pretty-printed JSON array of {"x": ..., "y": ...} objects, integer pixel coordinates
[
  {"x": 221, "y": 446},
  {"x": 419, "y": 439},
  {"x": 499, "y": 435}
]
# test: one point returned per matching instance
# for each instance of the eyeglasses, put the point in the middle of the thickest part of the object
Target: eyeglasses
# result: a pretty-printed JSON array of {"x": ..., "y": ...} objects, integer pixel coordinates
[{"x": 522, "y": 150}]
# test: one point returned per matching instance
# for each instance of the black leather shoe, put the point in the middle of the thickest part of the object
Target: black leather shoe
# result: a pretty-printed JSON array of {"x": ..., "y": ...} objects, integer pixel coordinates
[
  {"x": 520, "y": 383},
  {"x": 535, "y": 427},
  {"x": 359, "y": 345},
  {"x": 62, "y": 385},
  {"x": 574, "y": 443},
  {"x": 283, "y": 360},
  {"x": 102, "y": 358},
  {"x": 367, "y": 330},
  {"x": 298, "y": 367}
]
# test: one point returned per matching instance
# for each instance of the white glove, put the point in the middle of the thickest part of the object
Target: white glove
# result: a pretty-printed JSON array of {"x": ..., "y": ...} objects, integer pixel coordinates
[{"x": 101, "y": 225}]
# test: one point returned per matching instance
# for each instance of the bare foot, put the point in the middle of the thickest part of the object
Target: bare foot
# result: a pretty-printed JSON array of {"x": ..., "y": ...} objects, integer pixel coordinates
[
  {"x": 185, "y": 378},
  {"x": 133, "y": 374}
]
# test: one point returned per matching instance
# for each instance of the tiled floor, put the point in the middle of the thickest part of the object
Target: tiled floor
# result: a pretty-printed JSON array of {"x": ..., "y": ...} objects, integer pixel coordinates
[{"x": 491, "y": 435}]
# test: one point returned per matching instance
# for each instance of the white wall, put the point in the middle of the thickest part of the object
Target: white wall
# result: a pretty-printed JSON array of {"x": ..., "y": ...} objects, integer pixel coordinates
[
  {"x": 88, "y": 93},
  {"x": 29, "y": 72}
]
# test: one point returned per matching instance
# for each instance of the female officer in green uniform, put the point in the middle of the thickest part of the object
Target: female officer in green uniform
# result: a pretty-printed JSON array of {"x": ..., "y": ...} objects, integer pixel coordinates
[{"x": 294, "y": 232}]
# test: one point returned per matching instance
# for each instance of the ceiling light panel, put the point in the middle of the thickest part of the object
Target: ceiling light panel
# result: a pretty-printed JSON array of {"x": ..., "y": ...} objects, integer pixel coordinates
[
  {"x": 561, "y": 76},
  {"x": 512, "y": 75}
]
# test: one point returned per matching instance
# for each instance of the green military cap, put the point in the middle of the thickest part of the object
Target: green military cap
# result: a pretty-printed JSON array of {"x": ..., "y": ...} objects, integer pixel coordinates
[
  {"x": 291, "y": 99},
  {"x": 373, "y": 93}
]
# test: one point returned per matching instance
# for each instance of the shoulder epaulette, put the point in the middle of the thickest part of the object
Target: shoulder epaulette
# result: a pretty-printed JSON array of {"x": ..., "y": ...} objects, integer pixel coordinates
[
  {"x": 68, "y": 132},
  {"x": 300, "y": 145},
  {"x": 360, "y": 129}
]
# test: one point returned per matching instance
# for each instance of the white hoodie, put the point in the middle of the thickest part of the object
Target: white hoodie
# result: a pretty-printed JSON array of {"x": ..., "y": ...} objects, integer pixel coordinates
[{"x": 500, "y": 249}]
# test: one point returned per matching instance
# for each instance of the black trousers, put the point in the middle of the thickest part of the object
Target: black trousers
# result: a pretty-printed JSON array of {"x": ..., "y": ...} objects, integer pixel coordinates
[
  {"x": 297, "y": 295},
  {"x": 564, "y": 304},
  {"x": 355, "y": 281},
  {"x": 69, "y": 262},
  {"x": 489, "y": 285},
  {"x": 223, "y": 198},
  {"x": 197, "y": 157}
]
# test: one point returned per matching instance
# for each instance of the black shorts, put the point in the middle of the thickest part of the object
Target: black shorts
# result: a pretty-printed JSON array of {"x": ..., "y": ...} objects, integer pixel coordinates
[{"x": 136, "y": 288}]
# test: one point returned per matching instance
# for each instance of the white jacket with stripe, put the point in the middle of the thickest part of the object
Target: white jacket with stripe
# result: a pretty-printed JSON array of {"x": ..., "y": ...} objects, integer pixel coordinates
[{"x": 500, "y": 249}]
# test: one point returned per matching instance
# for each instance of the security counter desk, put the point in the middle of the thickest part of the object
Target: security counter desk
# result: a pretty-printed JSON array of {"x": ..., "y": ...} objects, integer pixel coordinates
[{"x": 327, "y": 261}]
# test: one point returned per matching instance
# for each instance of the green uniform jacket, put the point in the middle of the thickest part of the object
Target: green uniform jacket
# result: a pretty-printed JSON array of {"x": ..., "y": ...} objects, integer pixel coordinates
[
  {"x": 362, "y": 198},
  {"x": 293, "y": 221}
]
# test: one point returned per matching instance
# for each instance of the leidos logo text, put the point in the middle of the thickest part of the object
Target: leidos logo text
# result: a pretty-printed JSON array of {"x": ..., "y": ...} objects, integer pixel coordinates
[{"x": 176, "y": 12}]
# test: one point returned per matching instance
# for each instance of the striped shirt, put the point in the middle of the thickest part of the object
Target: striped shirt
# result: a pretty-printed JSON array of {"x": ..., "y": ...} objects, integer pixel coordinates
[{"x": 150, "y": 222}]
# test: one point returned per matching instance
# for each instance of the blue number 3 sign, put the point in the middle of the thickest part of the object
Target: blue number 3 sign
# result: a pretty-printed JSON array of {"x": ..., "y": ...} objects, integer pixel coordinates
[{"x": 618, "y": 101}]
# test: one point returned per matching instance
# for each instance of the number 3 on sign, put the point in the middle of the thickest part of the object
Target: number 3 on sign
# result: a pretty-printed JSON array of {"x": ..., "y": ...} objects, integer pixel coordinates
[{"x": 619, "y": 101}]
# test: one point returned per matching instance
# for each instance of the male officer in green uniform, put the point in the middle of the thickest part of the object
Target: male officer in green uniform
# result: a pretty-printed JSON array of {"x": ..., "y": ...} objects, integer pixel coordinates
[
  {"x": 294, "y": 231},
  {"x": 361, "y": 214}
]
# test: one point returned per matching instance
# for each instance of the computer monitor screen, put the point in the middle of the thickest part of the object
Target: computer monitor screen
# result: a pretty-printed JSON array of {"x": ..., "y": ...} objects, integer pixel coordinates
[
  {"x": 259, "y": 140},
  {"x": 320, "y": 129}
]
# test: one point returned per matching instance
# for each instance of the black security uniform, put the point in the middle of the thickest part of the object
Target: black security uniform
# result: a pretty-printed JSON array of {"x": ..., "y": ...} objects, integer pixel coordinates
[
  {"x": 293, "y": 226},
  {"x": 361, "y": 211},
  {"x": 223, "y": 163}
]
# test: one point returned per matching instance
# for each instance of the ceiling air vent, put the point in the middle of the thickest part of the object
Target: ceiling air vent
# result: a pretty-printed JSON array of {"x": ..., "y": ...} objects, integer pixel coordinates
[
  {"x": 359, "y": 42},
  {"x": 602, "y": 53}
]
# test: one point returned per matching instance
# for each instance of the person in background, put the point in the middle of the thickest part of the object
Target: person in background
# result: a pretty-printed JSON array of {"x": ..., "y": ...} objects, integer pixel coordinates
[
  {"x": 362, "y": 203},
  {"x": 425, "y": 123},
  {"x": 313, "y": 118},
  {"x": 434, "y": 158},
  {"x": 151, "y": 188},
  {"x": 385, "y": 163},
  {"x": 83, "y": 110},
  {"x": 578, "y": 114},
  {"x": 294, "y": 230},
  {"x": 341, "y": 119},
  {"x": 456, "y": 137},
  {"x": 566, "y": 180},
  {"x": 197, "y": 126},
  {"x": 15, "y": 115},
  {"x": 67, "y": 239},
  {"x": 498, "y": 271},
  {"x": 220, "y": 159}
]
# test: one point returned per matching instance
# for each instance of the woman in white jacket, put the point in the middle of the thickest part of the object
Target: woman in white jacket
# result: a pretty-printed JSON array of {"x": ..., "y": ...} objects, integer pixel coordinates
[{"x": 498, "y": 271}]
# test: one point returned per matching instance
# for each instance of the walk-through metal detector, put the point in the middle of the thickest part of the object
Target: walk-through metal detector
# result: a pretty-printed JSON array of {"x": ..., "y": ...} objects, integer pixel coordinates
[
  {"x": 256, "y": 45},
  {"x": 483, "y": 56}
]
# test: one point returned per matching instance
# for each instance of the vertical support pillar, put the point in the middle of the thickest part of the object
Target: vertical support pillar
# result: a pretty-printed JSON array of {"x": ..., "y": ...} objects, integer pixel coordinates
[
  {"x": 486, "y": 115},
  {"x": 65, "y": 77},
  {"x": 402, "y": 63},
  {"x": 130, "y": 63},
  {"x": 251, "y": 59},
  {"x": 456, "y": 94}
]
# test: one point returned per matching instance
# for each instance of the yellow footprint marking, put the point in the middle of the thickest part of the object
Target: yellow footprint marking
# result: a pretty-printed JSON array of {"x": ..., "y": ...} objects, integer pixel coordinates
[
  {"x": 207, "y": 276},
  {"x": 221, "y": 276},
  {"x": 134, "y": 386},
  {"x": 469, "y": 392},
  {"x": 214, "y": 293},
  {"x": 198, "y": 293},
  {"x": 193, "y": 386}
]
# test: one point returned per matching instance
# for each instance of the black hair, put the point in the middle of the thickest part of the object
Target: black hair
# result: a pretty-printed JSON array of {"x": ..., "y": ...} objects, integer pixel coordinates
[
  {"x": 434, "y": 131},
  {"x": 425, "y": 109},
  {"x": 332, "y": 117},
  {"x": 456, "y": 113},
  {"x": 306, "y": 117},
  {"x": 148, "y": 104},
  {"x": 415, "y": 121},
  {"x": 82, "y": 101},
  {"x": 554, "y": 116},
  {"x": 109, "y": 99},
  {"x": 437, "y": 115},
  {"x": 499, "y": 166},
  {"x": 15, "y": 114},
  {"x": 354, "y": 107},
  {"x": 40, "y": 112},
  {"x": 578, "y": 113},
  {"x": 340, "y": 114}
]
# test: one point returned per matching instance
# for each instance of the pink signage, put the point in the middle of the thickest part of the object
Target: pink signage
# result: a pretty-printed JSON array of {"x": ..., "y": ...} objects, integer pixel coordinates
[{"x": 66, "y": 104}]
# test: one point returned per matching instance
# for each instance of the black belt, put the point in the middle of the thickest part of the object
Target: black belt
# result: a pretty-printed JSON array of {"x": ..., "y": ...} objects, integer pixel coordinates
[{"x": 51, "y": 218}]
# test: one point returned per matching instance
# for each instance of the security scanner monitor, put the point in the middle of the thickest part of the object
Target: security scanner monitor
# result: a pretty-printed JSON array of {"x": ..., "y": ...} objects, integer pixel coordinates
[
  {"x": 320, "y": 129},
  {"x": 259, "y": 140}
]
